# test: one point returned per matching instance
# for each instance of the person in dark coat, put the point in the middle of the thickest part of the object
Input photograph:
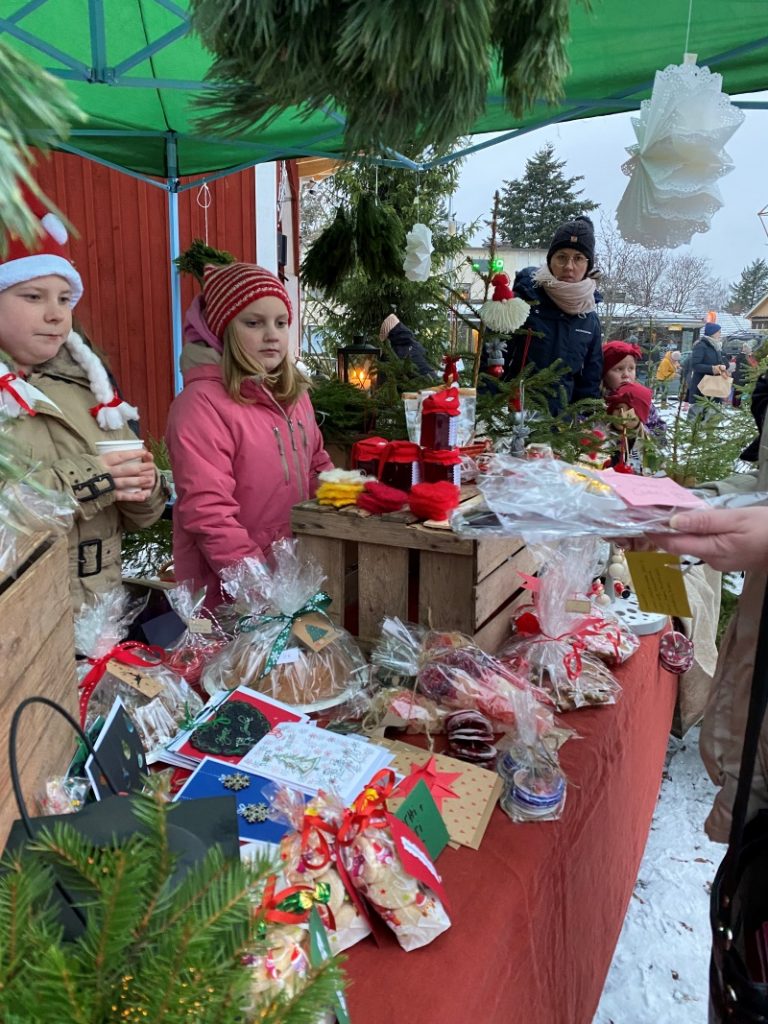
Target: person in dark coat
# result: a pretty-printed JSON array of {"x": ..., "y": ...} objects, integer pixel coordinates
[
  {"x": 406, "y": 346},
  {"x": 745, "y": 362},
  {"x": 563, "y": 315},
  {"x": 706, "y": 360}
]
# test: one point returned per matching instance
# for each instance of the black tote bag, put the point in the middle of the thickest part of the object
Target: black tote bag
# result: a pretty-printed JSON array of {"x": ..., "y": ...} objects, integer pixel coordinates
[{"x": 193, "y": 825}]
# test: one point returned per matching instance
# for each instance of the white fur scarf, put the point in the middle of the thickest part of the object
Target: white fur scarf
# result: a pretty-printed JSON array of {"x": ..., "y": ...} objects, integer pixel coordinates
[
  {"x": 17, "y": 398},
  {"x": 112, "y": 412}
]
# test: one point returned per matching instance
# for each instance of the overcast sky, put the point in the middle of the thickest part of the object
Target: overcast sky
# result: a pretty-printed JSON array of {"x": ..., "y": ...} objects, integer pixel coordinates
[{"x": 596, "y": 148}]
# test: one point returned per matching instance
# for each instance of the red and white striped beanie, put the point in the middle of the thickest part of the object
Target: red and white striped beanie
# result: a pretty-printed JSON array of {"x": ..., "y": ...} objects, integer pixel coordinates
[{"x": 227, "y": 290}]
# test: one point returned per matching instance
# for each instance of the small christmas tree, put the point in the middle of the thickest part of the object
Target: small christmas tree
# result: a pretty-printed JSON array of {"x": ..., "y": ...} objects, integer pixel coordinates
[{"x": 150, "y": 950}]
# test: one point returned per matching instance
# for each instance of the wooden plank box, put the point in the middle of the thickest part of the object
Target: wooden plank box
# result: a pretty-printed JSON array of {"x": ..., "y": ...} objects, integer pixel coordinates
[
  {"x": 390, "y": 565},
  {"x": 37, "y": 655}
]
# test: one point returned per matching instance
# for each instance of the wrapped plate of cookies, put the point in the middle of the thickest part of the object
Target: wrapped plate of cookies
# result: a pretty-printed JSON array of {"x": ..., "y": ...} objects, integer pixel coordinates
[{"x": 286, "y": 645}]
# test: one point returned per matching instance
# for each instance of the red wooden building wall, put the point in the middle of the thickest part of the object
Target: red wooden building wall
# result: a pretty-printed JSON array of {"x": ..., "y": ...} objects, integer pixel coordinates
[{"x": 123, "y": 256}]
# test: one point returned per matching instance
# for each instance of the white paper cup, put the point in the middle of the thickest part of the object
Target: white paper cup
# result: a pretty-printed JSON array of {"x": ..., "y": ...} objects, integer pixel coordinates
[{"x": 137, "y": 445}]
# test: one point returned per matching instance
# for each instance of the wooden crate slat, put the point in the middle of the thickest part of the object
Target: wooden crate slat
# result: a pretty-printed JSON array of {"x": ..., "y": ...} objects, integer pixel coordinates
[
  {"x": 382, "y": 586},
  {"x": 497, "y": 629},
  {"x": 37, "y": 648},
  {"x": 494, "y": 551},
  {"x": 309, "y": 519},
  {"x": 330, "y": 554},
  {"x": 444, "y": 582},
  {"x": 495, "y": 590}
]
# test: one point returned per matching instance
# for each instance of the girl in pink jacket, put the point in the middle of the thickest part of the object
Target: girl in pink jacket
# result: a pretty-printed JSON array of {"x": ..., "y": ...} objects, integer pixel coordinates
[{"x": 242, "y": 435}]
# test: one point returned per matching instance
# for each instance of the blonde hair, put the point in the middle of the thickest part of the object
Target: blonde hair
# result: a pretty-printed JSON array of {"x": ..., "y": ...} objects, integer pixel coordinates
[{"x": 286, "y": 383}]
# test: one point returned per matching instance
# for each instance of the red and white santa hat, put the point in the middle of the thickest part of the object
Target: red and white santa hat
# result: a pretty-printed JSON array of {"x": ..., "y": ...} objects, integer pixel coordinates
[
  {"x": 21, "y": 263},
  {"x": 228, "y": 289}
]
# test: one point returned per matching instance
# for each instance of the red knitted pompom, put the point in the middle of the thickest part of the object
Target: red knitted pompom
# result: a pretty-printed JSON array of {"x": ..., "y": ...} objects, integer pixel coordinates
[{"x": 433, "y": 501}]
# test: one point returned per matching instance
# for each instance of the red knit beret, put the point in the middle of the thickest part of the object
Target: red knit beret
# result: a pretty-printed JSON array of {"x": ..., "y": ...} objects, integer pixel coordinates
[
  {"x": 615, "y": 351},
  {"x": 635, "y": 396},
  {"x": 229, "y": 289}
]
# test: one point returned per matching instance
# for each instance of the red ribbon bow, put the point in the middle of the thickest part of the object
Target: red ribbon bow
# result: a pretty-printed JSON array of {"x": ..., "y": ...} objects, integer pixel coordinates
[
  {"x": 315, "y": 848},
  {"x": 271, "y": 901},
  {"x": 6, "y": 384},
  {"x": 528, "y": 625},
  {"x": 369, "y": 809},
  {"x": 113, "y": 404},
  {"x": 122, "y": 653}
]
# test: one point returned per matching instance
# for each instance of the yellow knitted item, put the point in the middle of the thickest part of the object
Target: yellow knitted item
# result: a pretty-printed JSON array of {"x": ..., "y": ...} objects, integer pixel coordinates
[{"x": 337, "y": 494}]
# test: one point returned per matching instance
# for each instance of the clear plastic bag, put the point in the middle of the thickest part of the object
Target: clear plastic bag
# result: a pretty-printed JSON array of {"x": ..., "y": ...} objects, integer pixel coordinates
[
  {"x": 534, "y": 785},
  {"x": 286, "y": 647},
  {"x": 157, "y": 700},
  {"x": 370, "y": 855},
  {"x": 203, "y": 637},
  {"x": 452, "y": 671},
  {"x": 308, "y": 855},
  {"x": 550, "y": 648},
  {"x": 546, "y": 499}
]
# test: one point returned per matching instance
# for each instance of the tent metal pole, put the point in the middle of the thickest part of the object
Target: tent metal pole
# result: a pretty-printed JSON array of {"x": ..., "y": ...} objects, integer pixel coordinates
[{"x": 174, "y": 245}]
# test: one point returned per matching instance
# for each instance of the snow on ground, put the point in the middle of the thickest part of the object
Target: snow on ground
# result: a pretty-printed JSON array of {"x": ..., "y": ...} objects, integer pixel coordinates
[{"x": 659, "y": 973}]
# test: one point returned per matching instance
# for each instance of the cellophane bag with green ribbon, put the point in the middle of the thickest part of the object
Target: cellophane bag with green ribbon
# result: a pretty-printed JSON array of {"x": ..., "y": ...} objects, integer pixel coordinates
[
  {"x": 286, "y": 645},
  {"x": 157, "y": 700},
  {"x": 550, "y": 643},
  {"x": 309, "y": 857}
]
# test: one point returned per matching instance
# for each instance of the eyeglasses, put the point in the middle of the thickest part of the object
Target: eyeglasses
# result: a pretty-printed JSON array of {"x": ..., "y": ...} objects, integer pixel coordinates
[{"x": 563, "y": 260}]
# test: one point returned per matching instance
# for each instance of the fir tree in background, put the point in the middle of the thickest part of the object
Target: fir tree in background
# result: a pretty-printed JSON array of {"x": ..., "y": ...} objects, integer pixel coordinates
[
  {"x": 534, "y": 206},
  {"x": 361, "y": 299},
  {"x": 750, "y": 288}
]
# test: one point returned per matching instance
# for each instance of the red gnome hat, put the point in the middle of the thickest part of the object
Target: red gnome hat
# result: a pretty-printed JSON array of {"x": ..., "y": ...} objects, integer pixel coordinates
[
  {"x": 504, "y": 313},
  {"x": 636, "y": 397}
]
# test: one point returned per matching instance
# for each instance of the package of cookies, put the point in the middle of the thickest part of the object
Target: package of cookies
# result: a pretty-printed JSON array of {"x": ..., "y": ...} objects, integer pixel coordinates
[
  {"x": 390, "y": 867},
  {"x": 157, "y": 700},
  {"x": 308, "y": 856},
  {"x": 202, "y": 638},
  {"x": 286, "y": 644}
]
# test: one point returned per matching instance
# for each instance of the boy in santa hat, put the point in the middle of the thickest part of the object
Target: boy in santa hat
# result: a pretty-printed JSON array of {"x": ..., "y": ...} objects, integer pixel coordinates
[{"x": 57, "y": 400}]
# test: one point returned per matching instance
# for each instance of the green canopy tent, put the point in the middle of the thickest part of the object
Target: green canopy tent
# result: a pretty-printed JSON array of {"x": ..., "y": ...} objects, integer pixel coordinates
[{"x": 135, "y": 70}]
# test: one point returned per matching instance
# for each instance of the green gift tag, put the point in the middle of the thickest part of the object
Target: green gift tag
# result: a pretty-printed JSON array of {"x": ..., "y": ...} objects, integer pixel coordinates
[
  {"x": 319, "y": 952},
  {"x": 419, "y": 812}
]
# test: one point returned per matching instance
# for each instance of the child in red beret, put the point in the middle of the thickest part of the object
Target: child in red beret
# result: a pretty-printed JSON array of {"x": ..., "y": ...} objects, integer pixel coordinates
[{"x": 625, "y": 397}]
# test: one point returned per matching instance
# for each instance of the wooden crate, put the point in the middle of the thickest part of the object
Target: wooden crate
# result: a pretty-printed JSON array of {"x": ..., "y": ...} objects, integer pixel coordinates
[
  {"x": 392, "y": 565},
  {"x": 38, "y": 658}
]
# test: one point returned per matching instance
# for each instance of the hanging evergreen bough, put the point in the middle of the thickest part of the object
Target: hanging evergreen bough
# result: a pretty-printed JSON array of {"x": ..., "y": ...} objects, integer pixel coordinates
[
  {"x": 331, "y": 257},
  {"x": 195, "y": 259},
  {"x": 34, "y": 107},
  {"x": 380, "y": 238},
  {"x": 403, "y": 74}
]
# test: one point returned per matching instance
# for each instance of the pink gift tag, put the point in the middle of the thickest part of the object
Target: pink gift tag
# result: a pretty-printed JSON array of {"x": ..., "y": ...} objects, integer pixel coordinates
[{"x": 642, "y": 491}]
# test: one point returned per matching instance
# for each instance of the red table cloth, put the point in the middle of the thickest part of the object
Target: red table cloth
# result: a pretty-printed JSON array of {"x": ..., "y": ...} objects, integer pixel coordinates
[{"x": 538, "y": 909}]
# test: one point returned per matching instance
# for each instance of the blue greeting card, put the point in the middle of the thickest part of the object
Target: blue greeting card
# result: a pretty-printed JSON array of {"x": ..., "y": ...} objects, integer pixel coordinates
[{"x": 221, "y": 778}]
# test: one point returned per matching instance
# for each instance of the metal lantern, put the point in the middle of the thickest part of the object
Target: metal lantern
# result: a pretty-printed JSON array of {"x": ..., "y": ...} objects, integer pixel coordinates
[{"x": 357, "y": 363}]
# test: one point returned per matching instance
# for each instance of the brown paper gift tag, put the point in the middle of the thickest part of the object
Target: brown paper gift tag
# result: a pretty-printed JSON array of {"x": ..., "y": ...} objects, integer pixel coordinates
[
  {"x": 315, "y": 631},
  {"x": 478, "y": 790},
  {"x": 133, "y": 677}
]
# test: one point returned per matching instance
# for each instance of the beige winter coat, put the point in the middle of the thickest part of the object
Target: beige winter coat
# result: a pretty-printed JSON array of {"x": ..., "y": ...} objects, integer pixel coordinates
[
  {"x": 722, "y": 731},
  {"x": 63, "y": 442}
]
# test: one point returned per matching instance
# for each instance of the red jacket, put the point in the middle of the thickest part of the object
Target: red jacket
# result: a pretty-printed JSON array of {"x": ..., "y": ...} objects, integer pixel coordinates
[{"x": 237, "y": 470}]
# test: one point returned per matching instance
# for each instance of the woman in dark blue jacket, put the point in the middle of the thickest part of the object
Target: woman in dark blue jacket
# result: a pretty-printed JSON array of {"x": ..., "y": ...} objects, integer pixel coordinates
[
  {"x": 706, "y": 360},
  {"x": 563, "y": 316}
]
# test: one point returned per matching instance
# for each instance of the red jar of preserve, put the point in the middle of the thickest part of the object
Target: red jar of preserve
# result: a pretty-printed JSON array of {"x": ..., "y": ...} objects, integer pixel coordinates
[
  {"x": 365, "y": 455},
  {"x": 440, "y": 420},
  {"x": 441, "y": 465},
  {"x": 399, "y": 465}
]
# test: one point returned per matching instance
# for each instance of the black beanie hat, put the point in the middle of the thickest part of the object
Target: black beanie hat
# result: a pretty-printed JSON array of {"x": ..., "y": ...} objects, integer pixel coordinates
[{"x": 578, "y": 234}]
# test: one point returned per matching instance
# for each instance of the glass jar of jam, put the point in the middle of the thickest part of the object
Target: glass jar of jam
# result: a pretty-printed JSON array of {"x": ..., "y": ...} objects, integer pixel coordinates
[
  {"x": 399, "y": 466},
  {"x": 441, "y": 465},
  {"x": 366, "y": 454},
  {"x": 439, "y": 419}
]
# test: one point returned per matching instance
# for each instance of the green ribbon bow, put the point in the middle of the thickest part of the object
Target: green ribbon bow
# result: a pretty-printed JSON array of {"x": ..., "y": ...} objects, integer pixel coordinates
[{"x": 247, "y": 624}]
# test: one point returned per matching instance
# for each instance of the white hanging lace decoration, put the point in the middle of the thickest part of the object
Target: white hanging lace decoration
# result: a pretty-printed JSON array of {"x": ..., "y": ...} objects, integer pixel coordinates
[
  {"x": 678, "y": 159},
  {"x": 418, "y": 253}
]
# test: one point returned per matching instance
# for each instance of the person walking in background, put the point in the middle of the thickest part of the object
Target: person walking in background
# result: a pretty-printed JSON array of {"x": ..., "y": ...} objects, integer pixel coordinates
[
  {"x": 668, "y": 370},
  {"x": 706, "y": 361}
]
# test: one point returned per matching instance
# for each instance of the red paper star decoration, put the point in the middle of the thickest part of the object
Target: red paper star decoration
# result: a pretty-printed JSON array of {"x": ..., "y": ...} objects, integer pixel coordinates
[{"x": 438, "y": 783}]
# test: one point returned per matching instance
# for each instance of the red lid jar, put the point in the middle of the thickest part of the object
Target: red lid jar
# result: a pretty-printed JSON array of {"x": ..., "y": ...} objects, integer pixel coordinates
[
  {"x": 441, "y": 465},
  {"x": 399, "y": 465},
  {"x": 439, "y": 419},
  {"x": 366, "y": 453}
]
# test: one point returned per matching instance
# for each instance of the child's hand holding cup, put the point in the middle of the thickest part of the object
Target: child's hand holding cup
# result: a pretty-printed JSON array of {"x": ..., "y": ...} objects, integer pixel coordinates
[{"x": 131, "y": 466}]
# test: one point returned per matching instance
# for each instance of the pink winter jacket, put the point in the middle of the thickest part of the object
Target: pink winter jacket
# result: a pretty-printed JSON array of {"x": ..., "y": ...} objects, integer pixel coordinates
[{"x": 238, "y": 470}]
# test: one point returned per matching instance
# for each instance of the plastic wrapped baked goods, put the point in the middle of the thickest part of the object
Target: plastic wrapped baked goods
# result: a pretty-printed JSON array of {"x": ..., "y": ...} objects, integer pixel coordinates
[
  {"x": 203, "y": 637},
  {"x": 390, "y": 867},
  {"x": 157, "y": 700},
  {"x": 286, "y": 645},
  {"x": 308, "y": 856}
]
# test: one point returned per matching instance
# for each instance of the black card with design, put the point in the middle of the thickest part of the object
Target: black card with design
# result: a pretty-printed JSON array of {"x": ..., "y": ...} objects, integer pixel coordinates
[{"x": 234, "y": 729}]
